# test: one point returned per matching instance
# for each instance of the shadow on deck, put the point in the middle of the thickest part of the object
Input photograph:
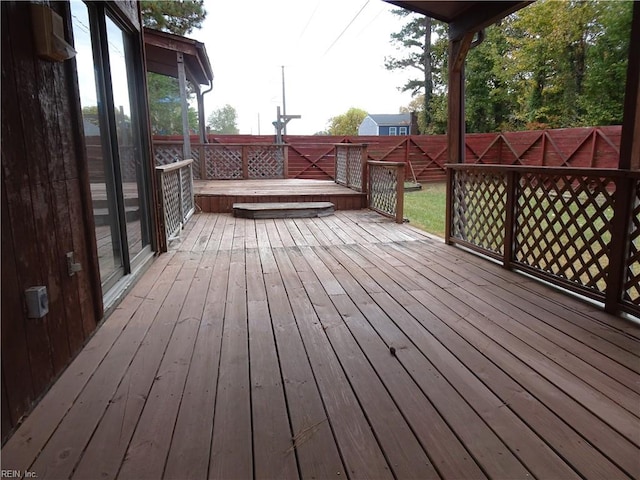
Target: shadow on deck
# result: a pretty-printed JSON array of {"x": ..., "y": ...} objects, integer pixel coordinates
[{"x": 346, "y": 346}]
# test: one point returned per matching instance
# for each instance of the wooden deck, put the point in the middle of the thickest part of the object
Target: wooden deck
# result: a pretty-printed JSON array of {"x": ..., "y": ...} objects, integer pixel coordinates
[
  {"x": 218, "y": 196},
  {"x": 339, "y": 347}
]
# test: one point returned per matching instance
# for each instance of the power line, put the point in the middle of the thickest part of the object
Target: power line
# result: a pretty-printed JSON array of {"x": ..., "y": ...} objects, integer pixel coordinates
[
  {"x": 309, "y": 21},
  {"x": 347, "y": 27},
  {"x": 382, "y": 10}
]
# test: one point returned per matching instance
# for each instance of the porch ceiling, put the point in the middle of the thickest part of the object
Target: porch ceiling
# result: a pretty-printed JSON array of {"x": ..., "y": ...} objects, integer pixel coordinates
[
  {"x": 161, "y": 48},
  {"x": 463, "y": 16}
]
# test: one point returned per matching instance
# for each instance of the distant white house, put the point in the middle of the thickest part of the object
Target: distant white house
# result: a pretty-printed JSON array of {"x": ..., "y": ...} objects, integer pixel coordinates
[{"x": 389, "y": 124}]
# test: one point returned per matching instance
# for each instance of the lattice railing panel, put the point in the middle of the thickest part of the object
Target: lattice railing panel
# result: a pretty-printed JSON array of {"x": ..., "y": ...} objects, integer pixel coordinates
[
  {"x": 354, "y": 168},
  {"x": 341, "y": 165},
  {"x": 563, "y": 226},
  {"x": 386, "y": 188},
  {"x": 631, "y": 288},
  {"x": 175, "y": 182},
  {"x": 195, "y": 155},
  {"x": 171, "y": 202},
  {"x": 128, "y": 163},
  {"x": 166, "y": 154},
  {"x": 223, "y": 162},
  {"x": 479, "y": 209},
  {"x": 265, "y": 161}
]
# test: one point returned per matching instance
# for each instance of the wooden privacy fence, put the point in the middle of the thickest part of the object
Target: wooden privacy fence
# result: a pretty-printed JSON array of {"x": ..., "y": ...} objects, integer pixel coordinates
[
  {"x": 576, "y": 228},
  {"x": 175, "y": 188},
  {"x": 214, "y": 161},
  {"x": 312, "y": 156},
  {"x": 383, "y": 182}
]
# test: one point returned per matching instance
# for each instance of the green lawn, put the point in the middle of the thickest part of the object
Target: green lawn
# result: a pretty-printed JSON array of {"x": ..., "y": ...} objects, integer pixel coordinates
[{"x": 425, "y": 208}]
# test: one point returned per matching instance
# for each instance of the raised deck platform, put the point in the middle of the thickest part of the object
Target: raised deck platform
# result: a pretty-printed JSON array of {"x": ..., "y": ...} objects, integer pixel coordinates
[{"x": 218, "y": 196}]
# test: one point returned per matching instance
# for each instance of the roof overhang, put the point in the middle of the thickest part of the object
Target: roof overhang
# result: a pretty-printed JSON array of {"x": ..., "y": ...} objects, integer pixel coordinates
[
  {"x": 462, "y": 16},
  {"x": 161, "y": 49}
]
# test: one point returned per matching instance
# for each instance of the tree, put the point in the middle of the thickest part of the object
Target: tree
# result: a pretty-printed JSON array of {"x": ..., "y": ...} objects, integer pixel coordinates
[
  {"x": 179, "y": 17},
  {"x": 607, "y": 64},
  {"x": 223, "y": 120},
  {"x": 347, "y": 123},
  {"x": 165, "y": 106},
  {"x": 552, "y": 64},
  {"x": 488, "y": 105},
  {"x": 420, "y": 54}
]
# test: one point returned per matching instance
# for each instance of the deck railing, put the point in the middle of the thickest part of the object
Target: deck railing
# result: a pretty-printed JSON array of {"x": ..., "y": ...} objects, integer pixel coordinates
[
  {"x": 175, "y": 188},
  {"x": 350, "y": 165},
  {"x": 576, "y": 228},
  {"x": 214, "y": 161},
  {"x": 386, "y": 188},
  {"x": 383, "y": 182}
]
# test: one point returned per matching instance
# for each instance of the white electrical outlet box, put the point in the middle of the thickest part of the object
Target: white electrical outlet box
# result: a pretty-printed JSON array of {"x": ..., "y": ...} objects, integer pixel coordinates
[{"x": 37, "y": 301}]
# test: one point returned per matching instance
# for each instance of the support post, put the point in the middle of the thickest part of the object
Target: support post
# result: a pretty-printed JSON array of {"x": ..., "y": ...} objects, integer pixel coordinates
[
  {"x": 458, "y": 50},
  {"x": 285, "y": 160},
  {"x": 619, "y": 242},
  {"x": 182, "y": 81},
  {"x": 509, "y": 221},
  {"x": 448, "y": 222},
  {"x": 365, "y": 169},
  {"x": 400, "y": 193},
  {"x": 630, "y": 139},
  {"x": 202, "y": 128}
]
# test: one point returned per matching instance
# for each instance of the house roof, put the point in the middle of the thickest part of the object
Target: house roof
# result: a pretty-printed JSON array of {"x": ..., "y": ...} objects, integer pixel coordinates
[
  {"x": 387, "y": 119},
  {"x": 161, "y": 48}
]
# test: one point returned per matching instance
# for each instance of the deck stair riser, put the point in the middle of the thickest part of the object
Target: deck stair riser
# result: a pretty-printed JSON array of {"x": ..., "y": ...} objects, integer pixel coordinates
[{"x": 283, "y": 210}]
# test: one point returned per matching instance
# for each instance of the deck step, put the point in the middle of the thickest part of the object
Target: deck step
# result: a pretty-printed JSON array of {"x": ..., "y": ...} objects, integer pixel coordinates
[{"x": 283, "y": 210}]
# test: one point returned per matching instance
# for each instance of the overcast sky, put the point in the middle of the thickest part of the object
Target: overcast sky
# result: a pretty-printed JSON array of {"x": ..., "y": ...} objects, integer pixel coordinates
[{"x": 329, "y": 66}]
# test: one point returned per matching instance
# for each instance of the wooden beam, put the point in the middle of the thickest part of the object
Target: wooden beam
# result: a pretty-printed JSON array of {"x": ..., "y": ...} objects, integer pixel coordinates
[
  {"x": 458, "y": 50},
  {"x": 170, "y": 42},
  {"x": 182, "y": 80},
  {"x": 480, "y": 16},
  {"x": 202, "y": 128}
]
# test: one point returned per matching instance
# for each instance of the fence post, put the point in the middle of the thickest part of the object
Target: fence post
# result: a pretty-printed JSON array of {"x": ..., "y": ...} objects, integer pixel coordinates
[
  {"x": 400, "y": 193},
  {"x": 181, "y": 197},
  {"x": 365, "y": 167},
  {"x": 285, "y": 159},
  {"x": 619, "y": 246},
  {"x": 245, "y": 162},
  {"x": 203, "y": 161},
  {"x": 510, "y": 221},
  {"x": 348, "y": 166},
  {"x": 448, "y": 222}
]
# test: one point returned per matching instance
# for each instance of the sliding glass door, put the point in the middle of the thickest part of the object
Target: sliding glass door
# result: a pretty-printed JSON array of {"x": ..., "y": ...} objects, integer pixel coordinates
[{"x": 108, "y": 77}]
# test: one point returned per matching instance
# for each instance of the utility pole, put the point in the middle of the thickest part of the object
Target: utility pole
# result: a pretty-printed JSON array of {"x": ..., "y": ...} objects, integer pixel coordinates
[
  {"x": 281, "y": 124},
  {"x": 284, "y": 103}
]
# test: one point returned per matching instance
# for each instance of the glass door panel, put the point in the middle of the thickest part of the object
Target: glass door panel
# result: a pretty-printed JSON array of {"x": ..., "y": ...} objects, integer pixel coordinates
[
  {"x": 129, "y": 152},
  {"x": 101, "y": 174}
]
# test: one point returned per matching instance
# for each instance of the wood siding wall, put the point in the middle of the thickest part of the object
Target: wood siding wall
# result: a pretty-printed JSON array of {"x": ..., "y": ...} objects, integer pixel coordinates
[
  {"x": 312, "y": 156},
  {"x": 45, "y": 214}
]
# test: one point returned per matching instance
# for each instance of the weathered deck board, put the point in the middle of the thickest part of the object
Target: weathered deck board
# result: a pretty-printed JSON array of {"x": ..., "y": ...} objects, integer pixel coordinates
[{"x": 339, "y": 347}]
